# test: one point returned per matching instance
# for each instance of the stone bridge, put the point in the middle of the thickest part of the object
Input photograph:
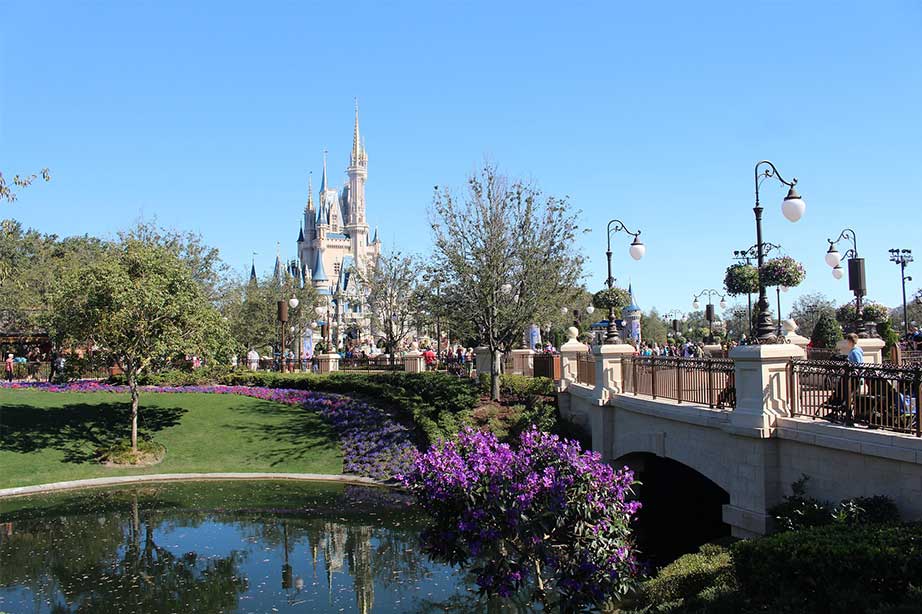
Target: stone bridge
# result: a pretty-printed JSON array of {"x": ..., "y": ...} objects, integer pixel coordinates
[{"x": 745, "y": 457}]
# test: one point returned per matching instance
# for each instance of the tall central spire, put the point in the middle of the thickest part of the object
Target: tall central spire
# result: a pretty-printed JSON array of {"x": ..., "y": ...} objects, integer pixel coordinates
[
  {"x": 356, "y": 139},
  {"x": 310, "y": 191},
  {"x": 323, "y": 180}
]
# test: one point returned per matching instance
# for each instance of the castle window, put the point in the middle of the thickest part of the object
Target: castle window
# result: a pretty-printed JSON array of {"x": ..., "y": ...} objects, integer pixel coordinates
[{"x": 336, "y": 268}]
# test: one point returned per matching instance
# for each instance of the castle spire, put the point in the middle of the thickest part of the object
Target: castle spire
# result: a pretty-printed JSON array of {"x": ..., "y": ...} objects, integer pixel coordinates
[
  {"x": 277, "y": 271},
  {"x": 356, "y": 139},
  {"x": 310, "y": 191},
  {"x": 253, "y": 268},
  {"x": 323, "y": 180}
]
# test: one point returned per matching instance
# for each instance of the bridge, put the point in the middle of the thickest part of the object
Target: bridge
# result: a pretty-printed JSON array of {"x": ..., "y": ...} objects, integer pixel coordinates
[{"x": 717, "y": 442}]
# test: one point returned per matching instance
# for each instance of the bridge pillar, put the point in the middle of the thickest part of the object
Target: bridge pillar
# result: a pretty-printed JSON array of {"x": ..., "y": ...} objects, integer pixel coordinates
[
  {"x": 609, "y": 380},
  {"x": 761, "y": 386},
  {"x": 568, "y": 353}
]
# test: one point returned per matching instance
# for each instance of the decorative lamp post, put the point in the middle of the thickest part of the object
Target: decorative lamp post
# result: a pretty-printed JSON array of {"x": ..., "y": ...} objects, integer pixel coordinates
[
  {"x": 856, "y": 279},
  {"x": 282, "y": 307},
  {"x": 637, "y": 250},
  {"x": 293, "y": 302},
  {"x": 903, "y": 257},
  {"x": 792, "y": 208},
  {"x": 709, "y": 309},
  {"x": 676, "y": 315},
  {"x": 746, "y": 256}
]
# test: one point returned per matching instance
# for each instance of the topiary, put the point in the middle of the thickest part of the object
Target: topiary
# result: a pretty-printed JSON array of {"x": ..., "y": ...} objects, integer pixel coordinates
[
  {"x": 826, "y": 333},
  {"x": 741, "y": 279}
]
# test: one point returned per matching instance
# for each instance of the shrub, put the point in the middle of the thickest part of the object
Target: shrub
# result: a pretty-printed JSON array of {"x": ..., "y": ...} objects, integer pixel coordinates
[
  {"x": 826, "y": 333},
  {"x": 839, "y": 568},
  {"x": 544, "y": 521},
  {"x": 710, "y": 569},
  {"x": 866, "y": 510},
  {"x": 798, "y": 511}
]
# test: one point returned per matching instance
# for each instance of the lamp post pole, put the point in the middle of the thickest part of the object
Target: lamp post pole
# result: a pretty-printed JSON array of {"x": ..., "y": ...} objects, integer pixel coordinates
[
  {"x": 903, "y": 257},
  {"x": 856, "y": 279},
  {"x": 675, "y": 314},
  {"x": 745, "y": 256},
  {"x": 792, "y": 208},
  {"x": 637, "y": 251},
  {"x": 709, "y": 310}
]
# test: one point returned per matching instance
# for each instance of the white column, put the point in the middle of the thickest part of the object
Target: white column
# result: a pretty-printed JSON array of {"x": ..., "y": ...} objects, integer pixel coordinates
[
  {"x": 762, "y": 386},
  {"x": 328, "y": 362},
  {"x": 568, "y": 353},
  {"x": 413, "y": 362}
]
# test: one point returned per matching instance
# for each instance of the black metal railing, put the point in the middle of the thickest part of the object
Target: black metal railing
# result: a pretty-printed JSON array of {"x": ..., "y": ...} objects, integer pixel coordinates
[
  {"x": 870, "y": 395},
  {"x": 40, "y": 371},
  {"x": 824, "y": 354},
  {"x": 585, "y": 369},
  {"x": 704, "y": 381},
  {"x": 547, "y": 365}
]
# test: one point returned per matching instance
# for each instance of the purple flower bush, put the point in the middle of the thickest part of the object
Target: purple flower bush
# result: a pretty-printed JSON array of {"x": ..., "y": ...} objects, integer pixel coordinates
[
  {"x": 545, "y": 520},
  {"x": 373, "y": 444}
]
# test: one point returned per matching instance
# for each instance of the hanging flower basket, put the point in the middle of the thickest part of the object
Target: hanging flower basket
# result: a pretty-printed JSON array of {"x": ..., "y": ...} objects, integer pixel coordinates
[
  {"x": 619, "y": 298},
  {"x": 783, "y": 271},
  {"x": 741, "y": 279}
]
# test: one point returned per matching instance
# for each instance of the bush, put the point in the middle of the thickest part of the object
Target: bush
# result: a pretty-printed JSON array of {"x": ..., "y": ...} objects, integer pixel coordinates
[
  {"x": 826, "y": 333},
  {"x": 837, "y": 568},
  {"x": 437, "y": 403},
  {"x": 866, "y": 510},
  {"x": 684, "y": 580},
  {"x": 798, "y": 511}
]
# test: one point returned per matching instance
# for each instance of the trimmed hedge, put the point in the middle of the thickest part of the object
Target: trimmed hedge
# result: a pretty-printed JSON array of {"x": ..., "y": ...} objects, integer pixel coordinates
[
  {"x": 700, "y": 578},
  {"x": 838, "y": 568},
  {"x": 438, "y": 404}
]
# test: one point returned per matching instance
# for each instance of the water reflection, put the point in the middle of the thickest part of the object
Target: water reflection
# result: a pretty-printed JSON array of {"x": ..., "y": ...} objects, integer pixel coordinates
[{"x": 222, "y": 547}]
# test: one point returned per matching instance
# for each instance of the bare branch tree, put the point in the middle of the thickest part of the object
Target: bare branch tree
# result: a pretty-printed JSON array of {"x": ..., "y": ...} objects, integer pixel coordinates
[{"x": 508, "y": 254}]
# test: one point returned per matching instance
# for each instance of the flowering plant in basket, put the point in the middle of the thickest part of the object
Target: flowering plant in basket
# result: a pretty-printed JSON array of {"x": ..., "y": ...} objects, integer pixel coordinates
[{"x": 783, "y": 271}]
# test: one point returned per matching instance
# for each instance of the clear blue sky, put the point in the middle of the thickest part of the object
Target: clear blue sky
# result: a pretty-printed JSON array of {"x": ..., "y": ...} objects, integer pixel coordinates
[{"x": 209, "y": 117}]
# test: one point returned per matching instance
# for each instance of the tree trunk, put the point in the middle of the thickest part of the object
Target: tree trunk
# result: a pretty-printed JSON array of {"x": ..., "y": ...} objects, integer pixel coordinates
[
  {"x": 495, "y": 362},
  {"x": 133, "y": 385}
]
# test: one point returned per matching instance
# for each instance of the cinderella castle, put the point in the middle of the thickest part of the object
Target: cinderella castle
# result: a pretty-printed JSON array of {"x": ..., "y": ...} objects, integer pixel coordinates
[{"x": 334, "y": 240}]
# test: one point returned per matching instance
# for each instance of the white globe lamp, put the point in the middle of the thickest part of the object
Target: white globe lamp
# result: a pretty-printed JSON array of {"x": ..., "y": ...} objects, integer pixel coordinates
[
  {"x": 837, "y": 272},
  {"x": 793, "y": 206},
  {"x": 638, "y": 249},
  {"x": 832, "y": 256}
]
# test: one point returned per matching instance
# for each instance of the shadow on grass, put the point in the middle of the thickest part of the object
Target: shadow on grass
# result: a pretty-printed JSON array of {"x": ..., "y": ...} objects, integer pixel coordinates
[
  {"x": 299, "y": 435},
  {"x": 78, "y": 429}
]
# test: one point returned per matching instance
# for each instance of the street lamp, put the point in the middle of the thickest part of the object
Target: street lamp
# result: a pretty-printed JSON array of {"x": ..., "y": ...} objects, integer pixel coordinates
[
  {"x": 709, "y": 309},
  {"x": 903, "y": 257},
  {"x": 745, "y": 256},
  {"x": 856, "y": 279},
  {"x": 293, "y": 302},
  {"x": 792, "y": 208},
  {"x": 676, "y": 315},
  {"x": 637, "y": 250}
]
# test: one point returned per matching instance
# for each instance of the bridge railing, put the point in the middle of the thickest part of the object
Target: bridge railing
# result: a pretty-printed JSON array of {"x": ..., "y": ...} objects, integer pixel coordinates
[
  {"x": 547, "y": 365},
  {"x": 871, "y": 395},
  {"x": 585, "y": 369},
  {"x": 704, "y": 381}
]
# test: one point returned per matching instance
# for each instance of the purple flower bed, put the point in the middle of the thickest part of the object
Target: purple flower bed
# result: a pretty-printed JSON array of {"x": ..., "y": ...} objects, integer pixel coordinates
[{"x": 373, "y": 444}]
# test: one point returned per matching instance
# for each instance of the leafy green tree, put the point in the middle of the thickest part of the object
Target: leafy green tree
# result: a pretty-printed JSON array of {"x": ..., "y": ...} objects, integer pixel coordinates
[
  {"x": 827, "y": 332},
  {"x": 510, "y": 254},
  {"x": 141, "y": 307},
  {"x": 652, "y": 327},
  {"x": 807, "y": 309}
]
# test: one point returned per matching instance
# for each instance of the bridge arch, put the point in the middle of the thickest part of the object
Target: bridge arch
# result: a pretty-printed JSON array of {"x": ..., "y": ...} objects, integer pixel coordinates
[{"x": 682, "y": 507}]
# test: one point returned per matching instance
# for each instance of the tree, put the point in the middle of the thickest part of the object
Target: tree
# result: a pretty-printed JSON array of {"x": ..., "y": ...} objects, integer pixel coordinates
[
  {"x": 652, "y": 327},
  {"x": 807, "y": 309},
  {"x": 826, "y": 333},
  {"x": 6, "y": 190},
  {"x": 545, "y": 521},
  {"x": 737, "y": 319},
  {"x": 141, "y": 307},
  {"x": 509, "y": 254},
  {"x": 391, "y": 284}
]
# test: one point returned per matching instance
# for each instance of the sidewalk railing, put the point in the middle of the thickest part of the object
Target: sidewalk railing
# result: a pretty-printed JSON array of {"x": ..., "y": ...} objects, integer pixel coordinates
[
  {"x": 585, "y": 369},
  {"x": 371, "y": 363},
  {"x": 39, "y": 371},
  {"x": 870, "y": 395},
  {"x": 704, "y": 381}
]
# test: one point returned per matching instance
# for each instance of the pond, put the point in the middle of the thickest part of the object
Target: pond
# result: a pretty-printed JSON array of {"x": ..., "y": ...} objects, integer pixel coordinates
[{"x": 222, "y": 547}]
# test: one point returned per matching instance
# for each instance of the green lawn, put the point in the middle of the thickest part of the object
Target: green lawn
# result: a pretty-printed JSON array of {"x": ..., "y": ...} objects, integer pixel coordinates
[{"x": 52, "y": 436}]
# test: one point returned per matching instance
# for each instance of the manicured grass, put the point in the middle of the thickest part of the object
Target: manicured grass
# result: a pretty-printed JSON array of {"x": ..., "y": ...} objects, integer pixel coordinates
[{"x": 53, "y": 436}]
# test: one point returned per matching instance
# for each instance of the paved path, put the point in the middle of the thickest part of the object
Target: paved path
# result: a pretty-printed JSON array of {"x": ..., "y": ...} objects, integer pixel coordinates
[{"x": 172, "y": 477}]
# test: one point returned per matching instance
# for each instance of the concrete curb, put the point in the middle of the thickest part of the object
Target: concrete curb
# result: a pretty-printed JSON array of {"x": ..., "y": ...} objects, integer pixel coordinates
[{"x": 21, "y": 491}]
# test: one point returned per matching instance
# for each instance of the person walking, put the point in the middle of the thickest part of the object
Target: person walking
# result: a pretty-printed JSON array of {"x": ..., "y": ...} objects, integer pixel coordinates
[{"x": 9, "y": 367}]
